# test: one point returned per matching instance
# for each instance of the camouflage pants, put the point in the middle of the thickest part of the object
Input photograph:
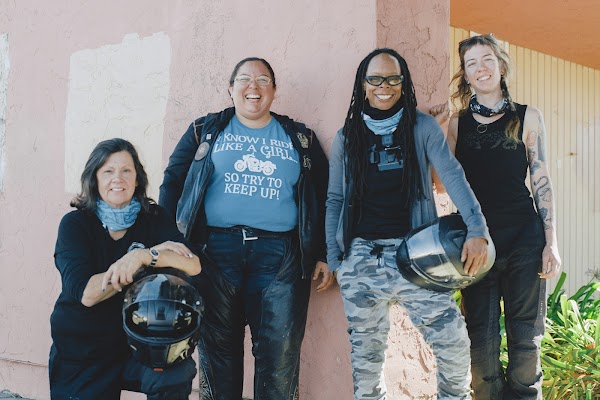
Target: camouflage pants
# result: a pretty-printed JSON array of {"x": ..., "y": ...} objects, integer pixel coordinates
[{"x": 370, "y": 284}]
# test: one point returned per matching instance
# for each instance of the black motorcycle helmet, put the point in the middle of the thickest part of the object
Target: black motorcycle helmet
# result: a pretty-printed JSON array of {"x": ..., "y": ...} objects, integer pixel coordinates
[
  {"x": 429, "y": 256},
  {"x": 161, "y": 318}
]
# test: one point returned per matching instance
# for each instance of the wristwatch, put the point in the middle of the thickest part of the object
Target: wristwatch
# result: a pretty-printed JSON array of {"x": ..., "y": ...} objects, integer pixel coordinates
[{"x": 154, "y": 253}]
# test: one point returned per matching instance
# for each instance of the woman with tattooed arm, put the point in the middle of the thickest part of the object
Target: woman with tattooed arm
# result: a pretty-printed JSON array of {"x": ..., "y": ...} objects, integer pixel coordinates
[{"x": 497, "y": 140}]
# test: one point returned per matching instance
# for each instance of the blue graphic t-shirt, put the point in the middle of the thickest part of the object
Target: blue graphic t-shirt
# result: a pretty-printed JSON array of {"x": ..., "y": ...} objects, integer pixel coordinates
[{"x": 254, "y": 181}]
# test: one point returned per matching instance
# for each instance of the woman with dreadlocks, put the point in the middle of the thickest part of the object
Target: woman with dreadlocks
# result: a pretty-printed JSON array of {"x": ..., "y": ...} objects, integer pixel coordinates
[
  {"x": 379, "y": 189},
  {"x": 497, "y": 140}
]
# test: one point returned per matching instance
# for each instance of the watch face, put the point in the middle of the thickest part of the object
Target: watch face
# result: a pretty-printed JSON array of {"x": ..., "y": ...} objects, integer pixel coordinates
[{"x": 154, "y": 253}]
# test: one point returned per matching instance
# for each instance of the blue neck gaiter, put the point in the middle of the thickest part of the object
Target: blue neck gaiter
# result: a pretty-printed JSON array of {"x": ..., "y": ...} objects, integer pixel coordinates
[
  {"x": 385, "y": 126},
  {"x": 117, "y": 219}
]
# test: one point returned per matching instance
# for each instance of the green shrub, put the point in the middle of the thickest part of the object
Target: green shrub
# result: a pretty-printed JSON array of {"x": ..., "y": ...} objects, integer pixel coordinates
[{"x": 571, "y": 344}]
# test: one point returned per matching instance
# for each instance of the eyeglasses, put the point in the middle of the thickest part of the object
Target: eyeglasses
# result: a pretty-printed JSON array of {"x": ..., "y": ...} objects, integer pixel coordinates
[
  {"x": 393, "y": 80},
  {"x": 245, "y": 80}
]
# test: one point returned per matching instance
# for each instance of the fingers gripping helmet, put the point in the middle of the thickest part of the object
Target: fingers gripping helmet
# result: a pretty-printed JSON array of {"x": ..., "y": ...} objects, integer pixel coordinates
[
  {"x": 429, "y": 256},
  {"x": 161, "y": 318}
]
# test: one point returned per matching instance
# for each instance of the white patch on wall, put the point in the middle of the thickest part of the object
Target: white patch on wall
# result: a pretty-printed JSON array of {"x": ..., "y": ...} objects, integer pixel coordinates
[
  {"x": 118, "y": 90},
  {"x": 4, "y": 69}
]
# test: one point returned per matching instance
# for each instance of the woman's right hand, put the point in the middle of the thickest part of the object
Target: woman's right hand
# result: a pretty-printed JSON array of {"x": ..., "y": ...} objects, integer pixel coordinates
[
  {"x": 474, "y": 255},
  {"x": 122, "y": 271},
  {"x": 440, "y": 112}
]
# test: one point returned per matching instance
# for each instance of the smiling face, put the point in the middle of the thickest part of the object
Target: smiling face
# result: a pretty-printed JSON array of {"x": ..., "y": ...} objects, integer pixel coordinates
[
  {"x": 253, "y": 101},
  {"x": 384, "y": 96},
  {"x": 482, "y": 69},
  {"x": 117, "y": 179}
]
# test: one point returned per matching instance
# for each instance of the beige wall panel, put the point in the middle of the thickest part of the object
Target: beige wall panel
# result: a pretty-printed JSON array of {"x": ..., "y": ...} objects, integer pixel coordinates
[{"x": 568, "y": 95}]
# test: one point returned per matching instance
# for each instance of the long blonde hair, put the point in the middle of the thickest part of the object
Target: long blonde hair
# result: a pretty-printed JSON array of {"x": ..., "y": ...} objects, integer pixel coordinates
[{"x": 461, "y": 97}]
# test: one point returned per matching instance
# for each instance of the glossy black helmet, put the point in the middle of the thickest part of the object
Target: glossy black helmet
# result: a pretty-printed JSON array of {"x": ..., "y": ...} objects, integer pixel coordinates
[
  {"x": 429, "y": 256},
  {"x": 161, "y": 318}
]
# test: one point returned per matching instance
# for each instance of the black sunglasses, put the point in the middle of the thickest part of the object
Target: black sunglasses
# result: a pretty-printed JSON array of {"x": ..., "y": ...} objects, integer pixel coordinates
[{"x": 393, "y": 80}]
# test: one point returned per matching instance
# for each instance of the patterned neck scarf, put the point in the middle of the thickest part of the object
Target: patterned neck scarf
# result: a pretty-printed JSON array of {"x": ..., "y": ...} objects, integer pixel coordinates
[
  {"x": 117, "y": 219},
  {"x": 480, "y": 109}
]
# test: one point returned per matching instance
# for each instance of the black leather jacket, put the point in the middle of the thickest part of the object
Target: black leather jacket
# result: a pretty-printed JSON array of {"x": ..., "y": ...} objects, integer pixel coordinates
[{"x": 190, "y": 168}]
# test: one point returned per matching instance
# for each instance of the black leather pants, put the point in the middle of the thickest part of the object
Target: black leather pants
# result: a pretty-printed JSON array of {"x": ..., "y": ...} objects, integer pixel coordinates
[{"x": 258, "y": 282}]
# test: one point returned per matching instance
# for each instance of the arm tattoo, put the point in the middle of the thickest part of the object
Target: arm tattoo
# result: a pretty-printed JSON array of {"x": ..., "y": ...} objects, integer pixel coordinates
[
  {"x": 543, "y": 190},
  {"x": 540, "y": 181},
  {"x": 543, "y": 199},
  {"x": 535, "y": 147},
  {"x": 534, "y": 164},
  {"x": 540, "y": 139}
]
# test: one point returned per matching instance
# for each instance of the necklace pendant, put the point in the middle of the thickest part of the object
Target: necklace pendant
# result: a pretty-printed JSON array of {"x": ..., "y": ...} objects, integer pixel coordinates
[{"x": 482, "y": 128}]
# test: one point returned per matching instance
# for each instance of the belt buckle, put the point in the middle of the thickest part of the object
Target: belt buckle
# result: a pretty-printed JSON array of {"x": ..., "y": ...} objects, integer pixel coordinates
[{"x": 246, "y": 237}]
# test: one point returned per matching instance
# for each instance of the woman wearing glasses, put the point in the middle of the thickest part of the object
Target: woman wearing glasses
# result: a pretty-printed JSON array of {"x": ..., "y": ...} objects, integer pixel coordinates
[
  {"x": 249, "y": 186},
  {"x": 379, "y": 189},
  {"x": 497, "y": 140}
]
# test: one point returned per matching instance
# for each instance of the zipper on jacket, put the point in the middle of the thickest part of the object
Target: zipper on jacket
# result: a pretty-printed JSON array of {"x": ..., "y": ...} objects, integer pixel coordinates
[
  {"x": 300, "y": 186},
  {"x": 199, "y": 198}
]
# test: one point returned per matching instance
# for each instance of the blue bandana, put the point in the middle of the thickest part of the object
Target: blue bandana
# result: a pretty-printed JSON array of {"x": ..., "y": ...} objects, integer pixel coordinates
[
  {"x": 383, "y": 126},
  {"x": 117, "y": 219}
]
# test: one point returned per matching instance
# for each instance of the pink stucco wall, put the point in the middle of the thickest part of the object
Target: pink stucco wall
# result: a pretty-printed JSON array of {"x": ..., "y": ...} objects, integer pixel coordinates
[{"x": 314, "y": 47}]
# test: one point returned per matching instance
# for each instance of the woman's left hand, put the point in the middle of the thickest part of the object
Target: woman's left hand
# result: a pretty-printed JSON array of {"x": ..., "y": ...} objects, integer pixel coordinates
[
  {"x": 121, "y": 272},
  {"x": 327, "y": 279},
  {"x": 551, "y": 262},
  {"x": 175, "y": 247},
  {"x": 474, "y": 255}
]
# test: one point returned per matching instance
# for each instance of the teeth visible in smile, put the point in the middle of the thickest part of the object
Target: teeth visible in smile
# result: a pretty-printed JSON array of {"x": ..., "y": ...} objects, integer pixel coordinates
[
  {"x": 484, "y": 78},
  {"x": 117, "y": 189},
  {"x": 253, "y": 96},
  {"x": 384, "y": 96}
]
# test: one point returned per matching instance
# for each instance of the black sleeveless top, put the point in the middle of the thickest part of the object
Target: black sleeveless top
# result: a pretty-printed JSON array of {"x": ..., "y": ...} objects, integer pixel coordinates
[{"x": 496, "y": 168}]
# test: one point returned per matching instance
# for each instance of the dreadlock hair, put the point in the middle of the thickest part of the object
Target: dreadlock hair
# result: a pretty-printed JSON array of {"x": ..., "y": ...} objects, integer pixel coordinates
[
  {"x": 461, "y": 97},
  {"x": 355, "y": 132}
]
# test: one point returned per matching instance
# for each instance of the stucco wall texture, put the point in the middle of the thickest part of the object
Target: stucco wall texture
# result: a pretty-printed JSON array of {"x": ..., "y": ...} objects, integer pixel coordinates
[{"x": 75, "y": 72}]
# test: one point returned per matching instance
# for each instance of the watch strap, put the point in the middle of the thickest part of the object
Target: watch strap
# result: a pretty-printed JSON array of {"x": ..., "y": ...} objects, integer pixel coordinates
[{"x": 154, "y": 253}]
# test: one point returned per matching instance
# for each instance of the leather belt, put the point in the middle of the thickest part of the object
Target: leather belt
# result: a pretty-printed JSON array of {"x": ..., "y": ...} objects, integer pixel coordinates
[{"x": 249, "y": 233}]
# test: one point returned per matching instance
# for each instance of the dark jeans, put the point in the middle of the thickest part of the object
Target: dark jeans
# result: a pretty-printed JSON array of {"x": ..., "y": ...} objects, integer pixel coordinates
[
  {"x": 514, "y": 277},
  {"x": 258, "y": 282},
  {"x": 104, "y": 379}
]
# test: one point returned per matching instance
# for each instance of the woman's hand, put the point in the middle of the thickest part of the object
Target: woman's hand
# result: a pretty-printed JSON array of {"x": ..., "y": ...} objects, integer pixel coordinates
[
  {"x": 327, "y": 279},
  {"x": 122, "y": 271},
  {"x": 175, "y": 247},
  {"x": 474, "y": 255},
  {"x": 440, "y": 112},
  {"x": 551, "y": 262}
]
